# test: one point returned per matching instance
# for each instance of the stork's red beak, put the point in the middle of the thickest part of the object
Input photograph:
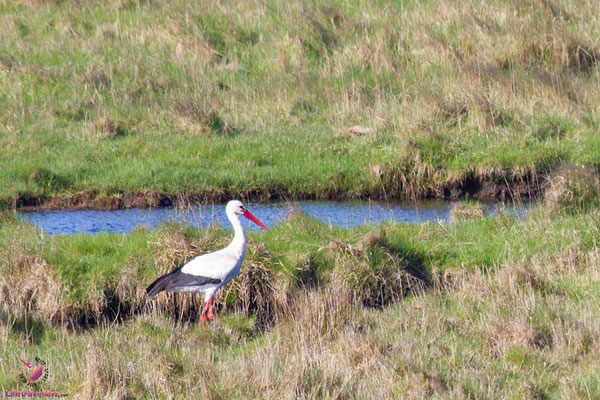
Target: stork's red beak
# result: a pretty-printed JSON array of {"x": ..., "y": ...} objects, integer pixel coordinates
[{"x": 252, "y": 218}]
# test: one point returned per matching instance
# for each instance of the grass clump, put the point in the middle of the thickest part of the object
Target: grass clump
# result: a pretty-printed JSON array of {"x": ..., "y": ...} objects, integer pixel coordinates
[
  {"x": 463, "y": 211},
  {"x": 372, "y": 271},
  {"x": 573, "y": 188},
  {"x": 258, "y": 290}
]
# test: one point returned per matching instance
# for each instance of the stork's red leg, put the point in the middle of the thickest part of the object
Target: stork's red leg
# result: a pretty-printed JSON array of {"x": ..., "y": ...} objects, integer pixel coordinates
[
  {"x": 211, "y": 304},
  {"x": 204, "y": 315}
]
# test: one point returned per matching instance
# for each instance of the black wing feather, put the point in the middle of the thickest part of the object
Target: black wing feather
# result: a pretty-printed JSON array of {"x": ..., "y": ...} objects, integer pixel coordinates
[{"x": 177, "y": 279}]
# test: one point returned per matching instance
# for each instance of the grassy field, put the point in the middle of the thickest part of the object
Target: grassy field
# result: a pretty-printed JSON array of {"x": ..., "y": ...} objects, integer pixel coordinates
[
  {"x": 479, "y": 308},
  {"x": 141, "y": 103},
  {"x": 188, "y": 99}
]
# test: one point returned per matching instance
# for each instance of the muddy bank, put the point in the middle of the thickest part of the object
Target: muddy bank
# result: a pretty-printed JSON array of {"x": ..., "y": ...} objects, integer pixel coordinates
[{"x": 485, "y": 189}]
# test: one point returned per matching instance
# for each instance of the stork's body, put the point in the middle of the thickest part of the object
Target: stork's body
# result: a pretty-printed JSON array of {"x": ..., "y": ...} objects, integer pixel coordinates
[{"x": 207, "y": 273}]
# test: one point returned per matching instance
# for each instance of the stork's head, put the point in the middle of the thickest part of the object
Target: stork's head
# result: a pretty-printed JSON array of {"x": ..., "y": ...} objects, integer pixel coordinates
[{"x": 235, "y": 207}]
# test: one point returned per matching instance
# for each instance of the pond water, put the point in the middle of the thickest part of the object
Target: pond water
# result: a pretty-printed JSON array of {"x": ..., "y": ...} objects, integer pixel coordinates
[{"x": 340, "y": 213}]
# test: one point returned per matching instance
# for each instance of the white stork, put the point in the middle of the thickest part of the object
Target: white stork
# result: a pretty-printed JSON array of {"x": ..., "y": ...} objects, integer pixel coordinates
[{"x": 207, "y": 273}]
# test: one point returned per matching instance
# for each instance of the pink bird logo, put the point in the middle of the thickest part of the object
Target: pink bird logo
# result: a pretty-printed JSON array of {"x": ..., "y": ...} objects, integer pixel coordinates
[{"x": 39, "y": 374}]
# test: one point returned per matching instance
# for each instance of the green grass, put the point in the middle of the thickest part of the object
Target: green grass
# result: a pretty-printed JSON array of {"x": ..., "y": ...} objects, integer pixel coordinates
[
  {"x": 500, "y": 303},
  {"x": 353, "y": 98},
  {"x": 107, "y": 98},
  {"x": 497, "y": 313},
  {"x": 86, "y": 267}
]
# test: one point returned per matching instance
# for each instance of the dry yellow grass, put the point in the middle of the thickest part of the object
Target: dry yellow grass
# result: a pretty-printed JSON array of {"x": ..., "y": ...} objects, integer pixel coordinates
[
  {"x": 572, "y": 188},
  {"x": 465, "y": 211},
  {"x": 497, "y": 335}
]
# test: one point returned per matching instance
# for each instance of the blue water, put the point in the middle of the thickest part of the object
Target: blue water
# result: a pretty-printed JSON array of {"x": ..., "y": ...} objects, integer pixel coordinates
[{"x": 343, "y": 214}]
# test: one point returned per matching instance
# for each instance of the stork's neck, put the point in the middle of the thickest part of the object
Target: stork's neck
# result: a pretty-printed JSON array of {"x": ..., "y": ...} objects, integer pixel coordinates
[{"x": 238, "y": 244}]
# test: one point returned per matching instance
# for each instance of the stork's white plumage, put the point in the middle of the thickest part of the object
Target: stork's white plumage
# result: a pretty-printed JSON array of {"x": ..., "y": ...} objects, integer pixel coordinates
[{"x": 207, "y": 273}]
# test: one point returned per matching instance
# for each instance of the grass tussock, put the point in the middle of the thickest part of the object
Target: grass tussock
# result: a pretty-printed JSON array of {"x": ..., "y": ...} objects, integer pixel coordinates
[
  {"x": 371, "y": 271},
  {"x": 109, "y": 129},
  {"x": 573, "y": 188},
  {"x": 463, "y": 211},
  {"x": 28, "y": 284},
  {"x": 257, "y": 290},
  {"x": 31, "y": 287}
]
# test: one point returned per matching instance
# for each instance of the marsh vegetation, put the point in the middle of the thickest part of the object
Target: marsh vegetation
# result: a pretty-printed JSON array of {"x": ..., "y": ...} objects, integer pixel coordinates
[
  {"x": 481, "y": 307},
  {"x": 141, "y": 103}
]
